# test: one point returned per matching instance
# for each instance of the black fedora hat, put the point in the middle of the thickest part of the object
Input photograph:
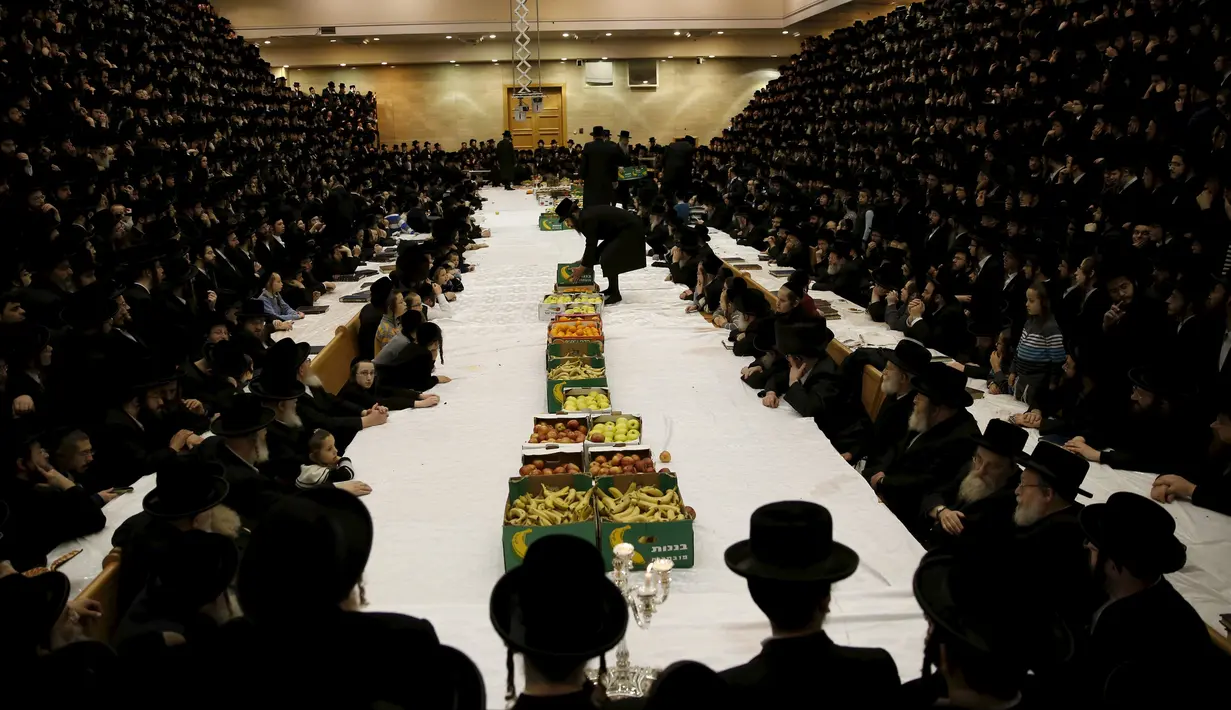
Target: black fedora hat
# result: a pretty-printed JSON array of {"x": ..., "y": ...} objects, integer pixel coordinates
[
  {"x": 277, "y": 386},
  {"x": 1063, "y": 470},
  {"x": 1163, "y": 382},
  {"x": 910, "y": 356},
  {"x": 92, "y": 305},
  {"x": 808, "y": 339},
  {"x": 889, "y": 276},
  {"x": 566, "y": 208},
  {"x": 625, "y": 134},
  {"x": 524, "y": 603},
  {"x": 943, "y": 385},
  {"x": 243, "y": 415},
  {"x": 750, "y": 302},
  {"x": 23, "y": 341},
  {"x": 306, "y": 555},
  {"x": 598, "y": 131},
  {"x": 198, "y": 567},
  {"x": 509, "y": 134},
  {"x": 792, "y": 541},
  {"x": 966, "y": 601},
  {"x": 1002, "y": 438},
  {"x": 1135, "y": 532},
  {"x": 185, "y": 490},
  {"x": 29, "y": 608},
  {"x": 284, "y": 358},
  {"x": 177, "y": 271},
  {"x": 251, "y": 309}
]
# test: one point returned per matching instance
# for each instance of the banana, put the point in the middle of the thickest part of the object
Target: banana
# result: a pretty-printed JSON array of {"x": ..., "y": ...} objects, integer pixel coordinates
[
  {"x": 558, "y": 392},
  {"x": 558, "y": 506},
  {"x": 641, "y": 505},
  {"x": 519, "y": 542}
]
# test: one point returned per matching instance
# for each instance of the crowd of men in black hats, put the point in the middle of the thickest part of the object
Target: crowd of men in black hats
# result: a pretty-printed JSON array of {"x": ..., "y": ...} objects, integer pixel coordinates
[{"x": 1035, "y": 189}]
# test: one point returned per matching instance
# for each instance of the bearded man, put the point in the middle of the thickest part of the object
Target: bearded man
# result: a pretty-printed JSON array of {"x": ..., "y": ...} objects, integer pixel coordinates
[
  {"x": 239, "y": 445},
  {"x": 1049, "y": 539},
  {"x": 939, "y": 441},
  {"x": 978, "y": 507},
  {"x": 285, "y": 437}
]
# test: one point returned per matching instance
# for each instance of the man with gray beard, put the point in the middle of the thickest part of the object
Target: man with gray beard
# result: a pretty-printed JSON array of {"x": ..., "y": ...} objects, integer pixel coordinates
[
  {"x": 876, "y": 439},
  {"x": 939, "y": 442},
  {"x": 239, "y": 445},
  {"x": 978, "y": 507},
  {"x": 1049, "y": 544},
  {"x": 842, "y": 275},
  {"x": 285, "y": 436}
]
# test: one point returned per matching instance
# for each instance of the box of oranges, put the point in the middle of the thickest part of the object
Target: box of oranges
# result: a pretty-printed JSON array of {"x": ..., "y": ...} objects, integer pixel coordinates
[{"x": 570, "y": 329}]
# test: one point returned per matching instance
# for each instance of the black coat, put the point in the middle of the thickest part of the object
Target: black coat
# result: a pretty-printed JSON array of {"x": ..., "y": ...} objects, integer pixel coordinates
[
  {"x": 819, "y": 397},
  {"x": 677, "y": 165},
  {"x": 411, "y": 370},
  {"x": 41, "y": 517},
  {"x": 141, "y": 308},
  {"x": 506, "y": 156},
  {"x": 847, "y": 283},
  {"x": 600, "y": 162},
  {"x": 943, "y": 329},
  {"x": 126, "y": 450},
  {"x": 1151, "y": 629},
  {"x": 1051, "y": 555},
  {"x": 394, "y": 398},
  {"x": 615, "y": 239},
  {"x": 789, "y": 669},
  {"x": 252, "y": 493},
  {"x": 986, "y": 523},
  {"x": 288, "y": 449},
  {"x": 986, "y": 296},
  {"x": 144, "y": 540},
  {"x": 921, "y": 464},
  {"x": 878, "y": 439}
]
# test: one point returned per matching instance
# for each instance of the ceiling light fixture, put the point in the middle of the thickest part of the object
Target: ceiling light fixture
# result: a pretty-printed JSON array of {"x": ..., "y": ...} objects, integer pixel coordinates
[
  {"x": 670, "y": 56},
  {"x": 603, "y": 58},
  {"x": 342, "y": 64},
  {"x": 268, "y": 42},
  {"x": 645, "y": 81},
  {"x": 376, "y": 39},
  {"x": 286, "y": 66},
  {"x": 451, "y": 36},
  {"x": 332, "y": 41},
  {"x": 492, "y": 36},
  {"x": 565, "y": 34},
  {"x": 453, "y": 61},
  {"x": 384, "y": 64},
  {"x": 608, "y": 34},
  {"x": 785, "y": 32},
  {"x": 564, "y": 59},
  {"x": 719, "y": 32},
  {"x": 796, "y": 34},
  {"x": 677, "y": 33},
  {"x": 711, "y": 56}
]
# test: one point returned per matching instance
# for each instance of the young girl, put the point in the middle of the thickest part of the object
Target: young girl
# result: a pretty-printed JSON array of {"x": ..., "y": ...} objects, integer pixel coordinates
[
  {"x": 449, "y": 285},
  {"x": 1039, "y": 362},
  {"x": 395, "y": 308},
  {"x": 364, "y": 389},
  {"x": 326, "y": 467}
]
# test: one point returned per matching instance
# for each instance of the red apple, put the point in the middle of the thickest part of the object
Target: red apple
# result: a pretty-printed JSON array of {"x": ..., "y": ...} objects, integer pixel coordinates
[
  {"x": 664, "y": 470},
  {"x": 600, "y": 459},
  {"x": 559, "y": 469},
  {"x": 527, "y": 470},
  {"x": 582, "y": 429},
  {"x": 617, "y": 459},
  {"x": 635, "y": 458},
  {"x": 572, "y": 424},
  {"x": 538, "y": 463},
  {"x": 560, "y": 426},
  {"x": 630, "y": 469}
]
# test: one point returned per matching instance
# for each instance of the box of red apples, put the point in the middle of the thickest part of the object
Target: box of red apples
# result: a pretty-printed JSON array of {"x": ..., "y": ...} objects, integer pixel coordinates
[
  {"x": 544, "y": 459},
  {"x": 570, "y": 428},
  {"x": 616, "y": 459}
]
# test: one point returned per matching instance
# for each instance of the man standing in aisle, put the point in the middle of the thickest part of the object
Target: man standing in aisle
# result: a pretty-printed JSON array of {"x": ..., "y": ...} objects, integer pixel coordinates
[
  {"x": 624, "y": 187},
  {"x": 615, "y": 239},
  {"x": 599, "y": 162},
  {"x": 677, "y": 166},
  {"x": 506, "y": 156}
]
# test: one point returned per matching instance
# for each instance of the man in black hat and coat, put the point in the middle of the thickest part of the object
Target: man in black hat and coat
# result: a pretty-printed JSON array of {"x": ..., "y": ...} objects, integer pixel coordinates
[
  {"x": 842, "y": 275},
  {"x": 239, "y": 446},
  {"x": 1144, "y": 624},
  {"x": 978, "y": 507},
  {"x": 615, "y": 240},
  {"x": 791, "y": 561},
  {"x": 525, "y": 614},
  {"x": 506, "y": 157},
  {"x": 1048, "y": 539},
  {"x": 938, "y": 443},
  {"x": 937, "y": 322},
  {"x": 285, "y": 436},
  {"x": 677, "y": 166},
  {"x": 982, "y": 653},
  {"x": 876, "y": 439},
  {"x": 811, "y": 384},
  {"x": 1210, "y": 488},
  {"x": 600, "y": 162}
]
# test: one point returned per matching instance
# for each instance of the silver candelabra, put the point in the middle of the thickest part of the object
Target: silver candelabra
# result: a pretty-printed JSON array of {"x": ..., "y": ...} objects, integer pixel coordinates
[{"x": 644, "y": 596}]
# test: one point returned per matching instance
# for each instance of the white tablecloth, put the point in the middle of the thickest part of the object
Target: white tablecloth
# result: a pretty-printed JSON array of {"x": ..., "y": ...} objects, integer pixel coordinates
[
  {"x": 440, "y": 475},
  {"x": 319, "y": 329}
]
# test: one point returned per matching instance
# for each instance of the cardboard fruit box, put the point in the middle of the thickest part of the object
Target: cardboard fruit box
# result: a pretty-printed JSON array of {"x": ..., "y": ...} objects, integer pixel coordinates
[
  {"x": 576, "y": 288},
  {"x": 554, "y": 456},
  {"x": 631, "y": 172},
  {"x": 594, "y": 452},
  {"x": 516, "y": 539},
  {"x": 588, "y": 321},
  {"x": 554, "y": 422},
  {"x": 613, "y": 418},
  {"x": 670, "y": 540},
  {"x": 555, "y": 387},
  {"x": 579, "y": 391},
  {"x": 575, "y": 348},
  {"x": 564, "y": 275},
  {"x": 547, "y": 311},
  {"x": 551, "y": 222}
]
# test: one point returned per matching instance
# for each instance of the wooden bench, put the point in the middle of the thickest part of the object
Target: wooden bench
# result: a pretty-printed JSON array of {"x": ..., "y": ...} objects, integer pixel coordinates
[
  {"x": 105, "y": 589},
  {"x": 332, "y": 364}
]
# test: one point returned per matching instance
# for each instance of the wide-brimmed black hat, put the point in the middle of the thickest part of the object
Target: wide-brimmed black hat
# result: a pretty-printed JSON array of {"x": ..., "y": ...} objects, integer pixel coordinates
[
  {"x": 966, "y": 601},
  {"x": 625, "y": 134},
  {"x": 1135, "y": 532},
  {"x": 525, "y": 606},
  {"x": 243, "y": 415},
  {"x": 253, "y": 308},
  {"x": 889, "y": 276},
  {"x": 750, "y": 302},
  {"x": 29, "y": 607},
  {"x": 141, "y": 255},
  {"x": 807, "y": 339},
  {"x": 910, "y": 356},
  {"x": 92, "y": 305},
  {"x": 791, "y": 541},
  {"x": 185, "y": 490},
  {"x": 306, "y": 555},
  {"x": 1164, "y": 382},
  {"x": 138, "y": 374},
  {"x": 22, "y": 341},
  {"x": 1063, "y": 470},
  {"x": 1001, "y": 437},
  {"x": 284, "y": 358},
  {"x": 198, "y": 567},
  {"x": 598, "y": 131},
  {"x": 277, "y": 386},
  {"x": 509, "y": 134},
  {"x": 565, "y": 208},
  {"x": 943, "y": 385}
]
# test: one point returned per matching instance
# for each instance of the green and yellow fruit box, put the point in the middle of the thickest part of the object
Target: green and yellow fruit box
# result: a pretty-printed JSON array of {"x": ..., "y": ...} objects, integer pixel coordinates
[
  {"x": 671, "y": 540},
  {"x": 561, "y": 429},
  {"x": 551, "y": 222},
  {"x": 631, "y": 430},
  {"x": 564, "y": 275},
  {"x": 574, "y": 348},
  {"x": 571, "y": 391},
  {"x": 555, "y": 392},
  {"x": 557, "y": 304},
  {"x": 631, "y": 172},
  {"x": 516, "y": 537}
]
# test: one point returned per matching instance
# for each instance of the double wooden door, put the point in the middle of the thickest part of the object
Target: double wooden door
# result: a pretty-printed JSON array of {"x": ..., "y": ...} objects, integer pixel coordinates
[{"x": 546, "y": 125}]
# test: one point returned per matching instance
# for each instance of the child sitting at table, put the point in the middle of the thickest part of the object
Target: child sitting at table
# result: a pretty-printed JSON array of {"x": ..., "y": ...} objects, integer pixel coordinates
[{"x": 325, "y": 467}]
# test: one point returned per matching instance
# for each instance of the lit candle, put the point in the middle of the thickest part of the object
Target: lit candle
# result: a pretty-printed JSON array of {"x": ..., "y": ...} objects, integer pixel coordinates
[
  {"x": 649, "y": 580},
  {"x": 623, "y": 550}
]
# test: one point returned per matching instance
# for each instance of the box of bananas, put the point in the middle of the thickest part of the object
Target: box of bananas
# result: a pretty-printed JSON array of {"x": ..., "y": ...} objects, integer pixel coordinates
[
  {"x": 572, "y": 371},
  {"x": 646, "y": 511},
  {"x": 560, "y": 504}
]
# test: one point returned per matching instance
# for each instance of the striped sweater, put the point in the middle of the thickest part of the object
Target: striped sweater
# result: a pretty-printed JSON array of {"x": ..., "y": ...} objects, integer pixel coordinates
[{"x": 1040, "y": 350}]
